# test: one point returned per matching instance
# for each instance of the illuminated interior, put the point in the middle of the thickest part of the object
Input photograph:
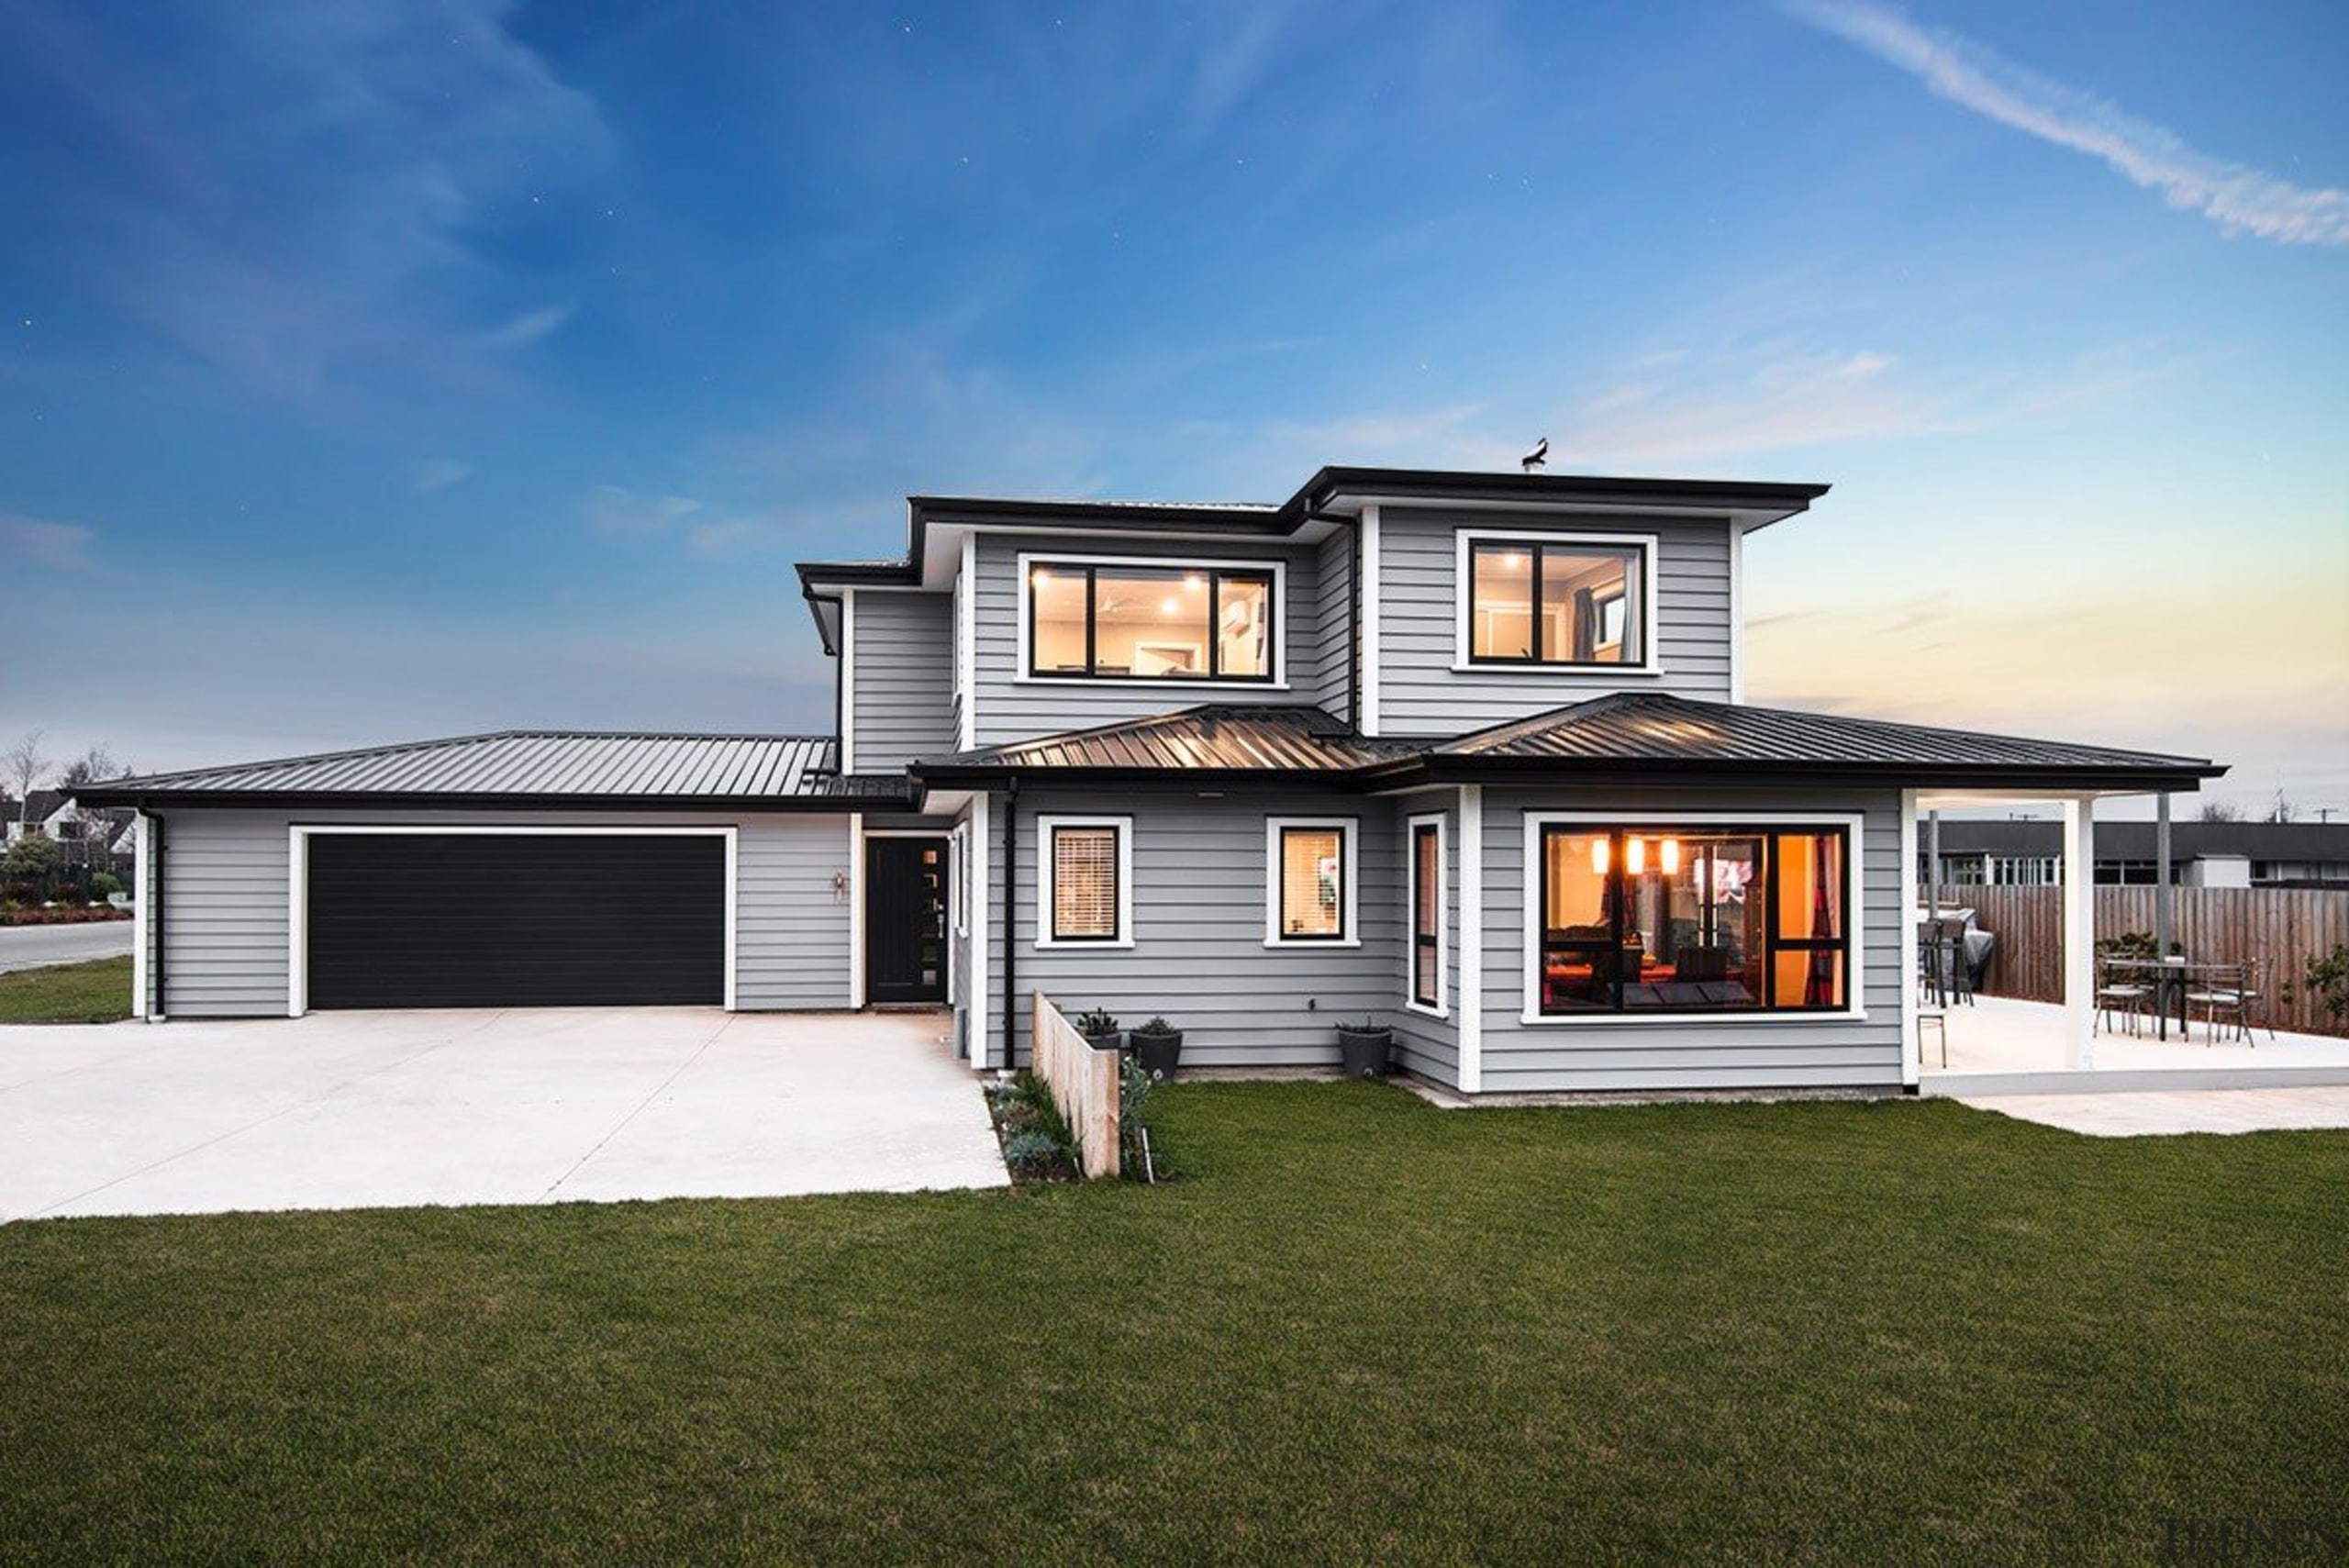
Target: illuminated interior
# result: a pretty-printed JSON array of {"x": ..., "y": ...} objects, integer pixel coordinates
[{"x": 1149, "y": 623}]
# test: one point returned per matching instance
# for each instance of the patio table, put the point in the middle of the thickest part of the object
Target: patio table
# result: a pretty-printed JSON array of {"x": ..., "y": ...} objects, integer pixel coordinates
[{"x": 2170, "y": 976}]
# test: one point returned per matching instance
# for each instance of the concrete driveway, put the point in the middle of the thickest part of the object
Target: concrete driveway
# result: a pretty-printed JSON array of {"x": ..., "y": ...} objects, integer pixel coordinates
[
  {"x": 362, "y": 1110},
  {"x": 33, "y": 947}
]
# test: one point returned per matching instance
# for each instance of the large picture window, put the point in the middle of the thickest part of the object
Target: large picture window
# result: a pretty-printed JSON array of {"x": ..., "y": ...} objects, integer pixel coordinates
[
  {"x": 1310, "y": 886},
  {"x": 1102, "y": 621},
  {"x": 1426, "y": 902},
  {"x": 1689, "y": 919},
  {"x": 1547, "y": 602},
  {"x": 1086, "y": 896}
]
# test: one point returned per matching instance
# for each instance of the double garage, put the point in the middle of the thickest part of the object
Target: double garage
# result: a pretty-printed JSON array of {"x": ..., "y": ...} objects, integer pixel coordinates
[
  {"x": 431, "y": 918},
  {"x": 515, "y": 870}
]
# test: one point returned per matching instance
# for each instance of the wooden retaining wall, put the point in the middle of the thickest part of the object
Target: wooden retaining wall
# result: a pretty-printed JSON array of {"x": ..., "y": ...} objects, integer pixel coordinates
[
  {"x": 1084, "y": 1082},
  {"x": 2287, "y": 926}
]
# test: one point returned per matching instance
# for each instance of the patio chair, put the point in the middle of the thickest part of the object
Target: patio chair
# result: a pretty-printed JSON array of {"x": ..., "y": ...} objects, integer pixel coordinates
[
  {"x": 2122, "y": 998},
  {"x": 2222, "y": 999},
  {"x": 1951, "y": 978}
]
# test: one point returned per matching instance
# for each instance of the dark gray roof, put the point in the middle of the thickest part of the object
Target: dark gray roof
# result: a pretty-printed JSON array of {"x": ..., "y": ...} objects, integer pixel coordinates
[
  {"x": 1651, "y": 726},
  {"x": 1213, "y": 738},
  {"x": 540, "y": 767},
  {"x": 1631, "y": 736}
]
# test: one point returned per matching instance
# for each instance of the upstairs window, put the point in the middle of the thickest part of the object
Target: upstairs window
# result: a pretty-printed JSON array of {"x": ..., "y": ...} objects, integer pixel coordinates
[
  {"x": 1552, "y": 601},
  {"x": 1116, "y": 621}
]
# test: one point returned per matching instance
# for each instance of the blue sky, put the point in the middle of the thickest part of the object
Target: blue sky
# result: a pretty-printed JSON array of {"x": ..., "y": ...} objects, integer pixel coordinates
[{"x": 375, "y": 369}]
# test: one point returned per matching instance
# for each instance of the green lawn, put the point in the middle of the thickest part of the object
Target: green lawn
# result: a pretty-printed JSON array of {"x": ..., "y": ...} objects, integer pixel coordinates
[
  {"x": 94, "y": 993},
  {"x": 1360, "y": 1329}
]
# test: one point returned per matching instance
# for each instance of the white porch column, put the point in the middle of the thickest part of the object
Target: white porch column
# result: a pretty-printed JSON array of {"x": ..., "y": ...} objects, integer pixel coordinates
[
  {"x": 1911, "y": 1046},
  {"x": 2079, "y": 932},
  {"x": 141, "y": 870}
]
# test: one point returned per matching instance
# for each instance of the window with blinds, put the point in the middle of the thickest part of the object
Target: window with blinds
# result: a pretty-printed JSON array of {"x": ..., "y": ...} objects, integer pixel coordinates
[
  {"x": 1085, "y": 884},
  {"x": 1313, "y": 883}
]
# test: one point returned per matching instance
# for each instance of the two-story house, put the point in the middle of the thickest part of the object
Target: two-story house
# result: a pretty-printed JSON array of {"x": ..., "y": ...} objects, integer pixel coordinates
[{"x": 1465, "y": 754}]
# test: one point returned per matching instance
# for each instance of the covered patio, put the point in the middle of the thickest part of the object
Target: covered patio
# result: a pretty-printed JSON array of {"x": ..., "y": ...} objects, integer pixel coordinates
[{"x": 1998, "y": 1045}]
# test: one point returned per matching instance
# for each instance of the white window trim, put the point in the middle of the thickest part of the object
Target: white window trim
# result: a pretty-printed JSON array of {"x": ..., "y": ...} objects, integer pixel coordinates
[
  {"x": 966, "y": 643},
  {"x": 1021, "y": 652},
  {"x": 1650, "y": 547},
  {"x": 1350, "y": 915},
  {"x": 1046, "y": 871},
  {"x": 1442, "y": 826},
  {"x": 1855, "y": 924},
  {"x": 298, "y": 878}
]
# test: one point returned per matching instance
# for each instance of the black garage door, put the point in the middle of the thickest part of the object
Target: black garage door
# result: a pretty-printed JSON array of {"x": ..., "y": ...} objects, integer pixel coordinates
[{"x": 516, "y": 920}]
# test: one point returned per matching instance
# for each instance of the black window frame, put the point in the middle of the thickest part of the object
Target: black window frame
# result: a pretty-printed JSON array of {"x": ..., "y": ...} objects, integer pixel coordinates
[
  {"x": 1533, "y": 550},
  {"x": 1267, "y": 574},
  {"x": 1345, "y": 831},
  {"x": 1115, "y": 932},
  {"x": 1774, "y": 941},
  {"x": 1430, "y": 938}
]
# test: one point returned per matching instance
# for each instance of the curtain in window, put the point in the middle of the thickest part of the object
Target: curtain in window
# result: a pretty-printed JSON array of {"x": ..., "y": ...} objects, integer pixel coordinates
[
  {"x": 1586, "y": 626},
  {"x": 1084, "y": 883}
]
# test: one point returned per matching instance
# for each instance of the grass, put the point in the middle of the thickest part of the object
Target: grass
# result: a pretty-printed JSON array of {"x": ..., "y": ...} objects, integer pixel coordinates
[
  {"x": 1359, "y": 1330},
  {"x": 94, "y": 993}
]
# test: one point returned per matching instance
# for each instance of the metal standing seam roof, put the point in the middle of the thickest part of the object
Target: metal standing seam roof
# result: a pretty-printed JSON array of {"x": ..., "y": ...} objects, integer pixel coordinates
[
  {"x": 537, "y": 764},
  {"x": 1652, "y": 727},
  {"x": 1214, "y": 738},
  {"x": 1626, "y": 732}
]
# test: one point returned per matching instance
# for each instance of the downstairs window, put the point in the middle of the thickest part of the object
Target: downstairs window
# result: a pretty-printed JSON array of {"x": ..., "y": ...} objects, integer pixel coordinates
[{"x": 1691, "y": 919}]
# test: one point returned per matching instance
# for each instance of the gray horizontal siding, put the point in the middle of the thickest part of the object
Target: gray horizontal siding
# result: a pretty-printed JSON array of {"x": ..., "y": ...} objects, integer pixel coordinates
[
  {"x": 1700, "y": 1053},
  {"x": 1200, "y": 870},
  {"x": 227, "y": 911},
  {"x": 1012, "y": 709},
  {"x": 1418, "y": 596},
  {"x": 904, "y": 650},
  {"x": 1332, "y": 660},
  {"x": 1428, "y": 1045}
]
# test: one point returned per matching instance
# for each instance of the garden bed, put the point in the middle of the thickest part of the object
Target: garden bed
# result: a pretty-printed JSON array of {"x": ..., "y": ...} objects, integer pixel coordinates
[{"x": 62, "y": 915}]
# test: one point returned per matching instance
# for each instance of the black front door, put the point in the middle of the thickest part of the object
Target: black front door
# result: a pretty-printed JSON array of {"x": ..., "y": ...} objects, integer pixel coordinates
[{"x": 905, "y": 919}]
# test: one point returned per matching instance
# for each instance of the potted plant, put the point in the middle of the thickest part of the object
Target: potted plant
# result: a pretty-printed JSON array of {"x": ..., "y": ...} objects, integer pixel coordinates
[
  {"x": 1158, "y": 1045},
  {"x": 1362, "y": 1047},
  {"x": 1099, "y": 1029}
]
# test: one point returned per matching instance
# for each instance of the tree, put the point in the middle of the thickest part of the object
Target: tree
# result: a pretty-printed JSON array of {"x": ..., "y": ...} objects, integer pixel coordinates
[
  {"x": 94, "y": 766},
  {"x": 24, "y": 766},
  {"x": 32, "y": 859},
  {"x": 2221, "y": 811}
]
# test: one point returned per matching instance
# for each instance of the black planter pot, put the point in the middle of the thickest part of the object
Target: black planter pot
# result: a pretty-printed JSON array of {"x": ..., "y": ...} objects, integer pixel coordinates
[
  {"x": 1364, "y": 1052},
  {"x": 1114, "y": 1040},
  {"x": 1159, "y": 1055}
]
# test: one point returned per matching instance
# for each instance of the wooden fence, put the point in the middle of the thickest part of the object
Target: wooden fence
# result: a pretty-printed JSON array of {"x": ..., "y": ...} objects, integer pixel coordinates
[
  {"x": 2286, "y": 926},
  {"x": 1084, "y": 1082}
]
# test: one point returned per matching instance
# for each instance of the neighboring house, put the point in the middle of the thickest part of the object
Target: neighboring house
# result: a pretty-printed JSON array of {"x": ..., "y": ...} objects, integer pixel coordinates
[
  {"x": 2202, "y": 854},
  {"x": 84, "y": 833},
  {"x": 1466, "y": 754}
]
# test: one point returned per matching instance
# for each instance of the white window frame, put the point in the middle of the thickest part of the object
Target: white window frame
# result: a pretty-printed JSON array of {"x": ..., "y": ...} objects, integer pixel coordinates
[
  {"x": 1047, "y": 870},
  {"x": 1529, "y": 973},
  {"x": 1650, "y": 547},
  {"x": 297, "y": 891},
  {"x": 1023, "y": 660},
  {"x": 1350, "y": 899},
  {"x": 1411, "y": 827}
]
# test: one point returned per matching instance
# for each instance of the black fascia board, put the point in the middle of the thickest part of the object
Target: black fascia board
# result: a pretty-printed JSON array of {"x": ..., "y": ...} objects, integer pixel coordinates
[
  {"x": 1437, "y": 486},
  {"x": 1912, "y": 775}
]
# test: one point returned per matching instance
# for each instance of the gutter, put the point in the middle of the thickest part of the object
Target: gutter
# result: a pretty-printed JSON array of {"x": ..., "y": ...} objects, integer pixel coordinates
[
  {"x": 158, "y": 1008},
  {"x": 827, "y": 804}
]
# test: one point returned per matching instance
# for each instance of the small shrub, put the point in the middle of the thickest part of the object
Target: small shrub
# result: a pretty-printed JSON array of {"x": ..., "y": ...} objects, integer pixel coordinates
[
  {"x": 1157, "y": 1027},
  {"x": 1096, "y": 1022},
  {"x": 104, "y": 885},
  {"x": 1034, "y": 1151},
  {"x": 2327, "y": 979},
  {"x": 1134, "y": 1090}
]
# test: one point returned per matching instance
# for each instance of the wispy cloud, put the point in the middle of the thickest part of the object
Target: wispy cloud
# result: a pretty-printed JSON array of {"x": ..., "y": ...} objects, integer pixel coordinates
[
  {"x": 529, "y": 326},
  {"x": 438, "y": 474},
  {"x": 61, "y": 547},
  {"x": 2242, "y": 199},
  {"x": 282, "y": 193},
  {"x": 619, "y": 513}
]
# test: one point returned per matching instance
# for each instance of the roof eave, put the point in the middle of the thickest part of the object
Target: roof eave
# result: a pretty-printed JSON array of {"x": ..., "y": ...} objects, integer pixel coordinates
[
  {"x": 144, "y": 799},
  {"x": 2185, "y": 776}
]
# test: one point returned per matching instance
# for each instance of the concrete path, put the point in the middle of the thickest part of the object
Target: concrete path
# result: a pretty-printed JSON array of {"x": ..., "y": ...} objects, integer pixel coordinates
[
  {"x": 33, "y": 947},
  {"x": 361, "y": 1111},
  {"x": 2138, "y": 1114}
]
